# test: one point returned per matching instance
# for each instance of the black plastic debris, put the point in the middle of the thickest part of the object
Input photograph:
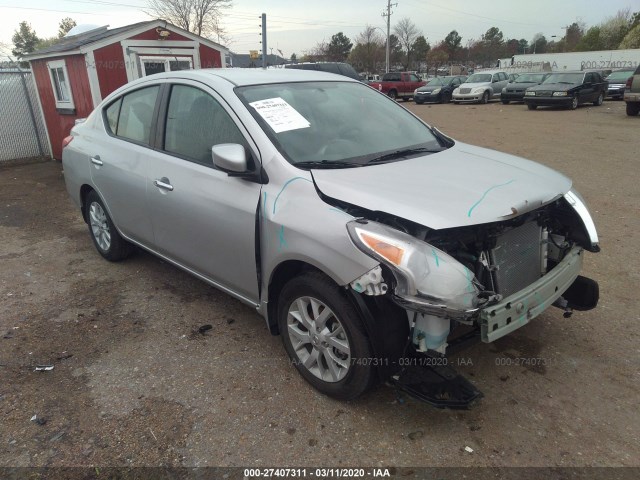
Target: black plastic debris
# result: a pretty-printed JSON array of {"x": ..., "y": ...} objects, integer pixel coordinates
[
  {"x": 43, "y": 368},
  {"x": 204, "y": 329},
  {"x": 230, "y": 321},
  {"x": 8, "y": 335},
  {"x": 38, "y": 420}
]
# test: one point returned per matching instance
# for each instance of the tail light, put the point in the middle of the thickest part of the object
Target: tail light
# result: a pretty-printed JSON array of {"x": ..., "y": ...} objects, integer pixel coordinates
[
  {"x": 629, "y": 82},
  {"x": 380, "y": 87},
  {"x": 66, "y": 141}
]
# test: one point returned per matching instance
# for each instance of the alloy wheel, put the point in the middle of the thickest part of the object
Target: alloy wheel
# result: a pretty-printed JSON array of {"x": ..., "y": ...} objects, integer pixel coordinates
[
  {"x": 318, "y": 339},
  {"x": 99, "y": 226}
]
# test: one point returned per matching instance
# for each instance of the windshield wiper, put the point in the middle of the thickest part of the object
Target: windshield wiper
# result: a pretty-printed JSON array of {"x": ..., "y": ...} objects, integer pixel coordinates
[
  {"x": 402, "y": 153},
  {"x": 326, "y": 164}
]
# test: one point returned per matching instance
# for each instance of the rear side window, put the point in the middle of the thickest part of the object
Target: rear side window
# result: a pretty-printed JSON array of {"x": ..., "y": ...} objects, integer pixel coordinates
[
  {"x": 112, "y": 112},
  {"x": 195, "y": 123},
  {"x": 131, "y": 116},
  {"x": 331, "y": 68}
]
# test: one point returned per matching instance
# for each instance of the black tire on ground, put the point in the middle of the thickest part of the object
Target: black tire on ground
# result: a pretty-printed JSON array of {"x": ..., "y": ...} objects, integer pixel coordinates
[
  {"x": 393, "y": 94},
  {"x": 574, "y": 102},
  {"x": 103, "y": 232},
  {"x": 446, "y": 97},
  {"x": 360, "y": 375},
  {"x": 633, "y": 108},
  {"x": 599, "y": 100},
  {"x": 454, "y": 102},
  {"x": 485, "y": 97},
  {"x": 505, "y": 102},
  {"x": 531, "y": 107}
]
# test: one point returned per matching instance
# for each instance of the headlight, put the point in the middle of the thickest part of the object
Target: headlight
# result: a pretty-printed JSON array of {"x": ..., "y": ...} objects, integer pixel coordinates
[
  {"x": 504, "y": 90},
  {"x": 456, "y": 90},
  {"x": 577, "y": 202},
  {"x": 530, "y": 94},
  {"x": 559, "y": 94},
  {"x": 423, "y": 273},
  {"x": 436, "y": 91}
]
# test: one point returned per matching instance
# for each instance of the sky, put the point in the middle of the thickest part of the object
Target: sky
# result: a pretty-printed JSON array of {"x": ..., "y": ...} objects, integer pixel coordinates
[{"x": 296, "y": 26}]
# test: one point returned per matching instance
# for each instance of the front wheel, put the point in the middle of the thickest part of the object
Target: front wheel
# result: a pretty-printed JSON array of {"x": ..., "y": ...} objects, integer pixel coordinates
[
  {"x": 531, "y": 107},
  {"x": 505, "y": 102},
  {"x": 599, "y": 100},
  {"x": 485, "y": 97},
  {"x": 574, "y": 102},
  {"x": 324, "y": 337},
  {"x": 103, "y": 232}
]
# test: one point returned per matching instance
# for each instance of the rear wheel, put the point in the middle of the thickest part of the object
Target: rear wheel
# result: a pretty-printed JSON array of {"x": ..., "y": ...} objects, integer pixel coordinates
[
  {"x": 103, "y": 232},
  {"x": 633, "y": 108},
  {"x": 393, "y": 94},
  {"x": 531, "y": 107},
  {"x": 599, "y": 100},
  {"x": 485, "y": 97},
  {"x": 324, "y": 337}
]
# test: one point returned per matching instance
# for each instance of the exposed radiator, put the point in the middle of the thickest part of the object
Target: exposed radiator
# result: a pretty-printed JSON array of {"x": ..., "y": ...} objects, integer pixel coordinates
[{"x": 518, "y": 258}]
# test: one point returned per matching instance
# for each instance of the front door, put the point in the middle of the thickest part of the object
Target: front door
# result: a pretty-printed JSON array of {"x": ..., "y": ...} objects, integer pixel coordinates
[{"x": 203, "y": 218}]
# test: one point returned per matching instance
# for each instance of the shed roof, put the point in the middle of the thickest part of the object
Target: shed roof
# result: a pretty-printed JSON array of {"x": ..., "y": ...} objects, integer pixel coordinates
[{"x": 75, "y": 43}]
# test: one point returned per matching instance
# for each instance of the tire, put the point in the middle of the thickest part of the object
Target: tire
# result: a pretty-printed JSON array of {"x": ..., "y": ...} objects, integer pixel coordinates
[
  {"x": 393, "y": 94},
  {"x": 446, "y": 98},
  {"x": 574, "y": 102},
  {"x": 455, "y": 103},
  {"x": 103, "y": 232},
  {"x": 332, "y": 369},
  {"x": 505, "y": 102},
  {"x": 531, "y": 107},
  {"x": 485, "y": 97},
  {"x": 599, "y": 100},
  {"x": 633, "y": 108}
]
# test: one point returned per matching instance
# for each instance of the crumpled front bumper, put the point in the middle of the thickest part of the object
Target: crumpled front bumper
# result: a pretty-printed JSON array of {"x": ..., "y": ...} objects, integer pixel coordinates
[{"x": 520, "y": 308}]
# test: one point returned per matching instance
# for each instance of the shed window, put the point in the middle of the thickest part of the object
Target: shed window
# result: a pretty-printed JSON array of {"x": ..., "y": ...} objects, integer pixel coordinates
[{"x": 61, "y": 86}]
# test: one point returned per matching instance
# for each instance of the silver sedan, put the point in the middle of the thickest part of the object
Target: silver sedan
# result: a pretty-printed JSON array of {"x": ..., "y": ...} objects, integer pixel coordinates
[{"x": 365, "y": 237}]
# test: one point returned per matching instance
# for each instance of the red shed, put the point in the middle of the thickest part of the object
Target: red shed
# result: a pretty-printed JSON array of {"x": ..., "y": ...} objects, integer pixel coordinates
[{"x": 74, "y": 75}]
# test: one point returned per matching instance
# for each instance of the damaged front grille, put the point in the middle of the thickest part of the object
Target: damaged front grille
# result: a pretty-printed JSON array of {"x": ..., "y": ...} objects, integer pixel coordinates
[{"x": 518, "y": 258}]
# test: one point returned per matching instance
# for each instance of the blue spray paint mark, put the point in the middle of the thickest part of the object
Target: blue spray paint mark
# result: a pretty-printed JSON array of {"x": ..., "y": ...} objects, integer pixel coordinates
[
  {"x": 275, "y": 202},
  {"x": 435, "y": 255},
  {"x": 341, "y": 211},
  {"x": 485, "y": 194},
  {"x": 283, "y": 242}
]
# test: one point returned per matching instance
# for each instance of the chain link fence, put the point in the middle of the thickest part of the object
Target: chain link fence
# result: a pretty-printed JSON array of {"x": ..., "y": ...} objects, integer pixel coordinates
[{"x": 22, "y": 130}]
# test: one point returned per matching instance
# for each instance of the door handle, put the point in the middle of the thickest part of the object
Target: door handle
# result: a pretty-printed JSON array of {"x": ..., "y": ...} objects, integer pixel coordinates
[
  {"x": 96, "y": 160},
  {"x": 163, "y": 183}
]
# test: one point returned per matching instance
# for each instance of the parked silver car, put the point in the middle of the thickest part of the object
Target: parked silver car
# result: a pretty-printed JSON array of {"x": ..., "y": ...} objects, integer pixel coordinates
[
  {"x": 481, "y": 87},
  {"x": 363, "y": 236}
]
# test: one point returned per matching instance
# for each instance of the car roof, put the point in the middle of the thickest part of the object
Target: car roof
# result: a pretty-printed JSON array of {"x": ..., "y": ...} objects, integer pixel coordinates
[{"x": 255, "y": 76}]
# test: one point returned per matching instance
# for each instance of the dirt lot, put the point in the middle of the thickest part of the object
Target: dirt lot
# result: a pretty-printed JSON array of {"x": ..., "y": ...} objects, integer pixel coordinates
[{"x": 134, "y": 385}]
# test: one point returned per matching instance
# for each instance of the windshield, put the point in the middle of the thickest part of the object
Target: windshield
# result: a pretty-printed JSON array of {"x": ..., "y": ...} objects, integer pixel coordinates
[
  {"x": 620, "y": 76},
  {"x": 334, "y": 122},
  {"x": 530, "y": 78},
  {"x": 438, "y": 81},
  {"x": 479, "y": 78},
  {"x": 564, "y": 78}
]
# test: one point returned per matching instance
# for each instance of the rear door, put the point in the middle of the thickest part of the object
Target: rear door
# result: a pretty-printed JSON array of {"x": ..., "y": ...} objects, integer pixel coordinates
[
  {"x": 203, "y": 218},
  {"x": 119, "y": 161}
]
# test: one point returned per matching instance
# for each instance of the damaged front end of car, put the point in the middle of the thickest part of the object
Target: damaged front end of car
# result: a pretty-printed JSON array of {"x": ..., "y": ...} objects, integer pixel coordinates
[{"x": 487, "y": 279}]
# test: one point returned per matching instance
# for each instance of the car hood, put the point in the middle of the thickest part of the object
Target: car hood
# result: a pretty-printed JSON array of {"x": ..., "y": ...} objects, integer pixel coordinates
[
  {"x": 464, "y": 185},
  {"x": 556, "y": 87},
  {"x": 475, "y": 84},
  {"x": 521, "y": 85},
  {"x": 431, "y": 88}
]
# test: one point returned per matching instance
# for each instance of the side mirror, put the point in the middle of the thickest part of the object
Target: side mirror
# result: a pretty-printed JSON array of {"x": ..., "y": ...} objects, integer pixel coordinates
[{"x": 229, "y": 157}]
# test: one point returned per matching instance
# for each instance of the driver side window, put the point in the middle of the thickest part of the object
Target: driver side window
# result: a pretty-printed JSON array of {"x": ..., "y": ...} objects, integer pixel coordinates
[{"x": 195, "y": 123}]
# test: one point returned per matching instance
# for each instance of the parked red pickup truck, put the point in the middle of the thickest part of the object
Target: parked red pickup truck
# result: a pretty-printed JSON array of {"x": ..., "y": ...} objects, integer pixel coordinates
[{"x": 399, "y": 84}]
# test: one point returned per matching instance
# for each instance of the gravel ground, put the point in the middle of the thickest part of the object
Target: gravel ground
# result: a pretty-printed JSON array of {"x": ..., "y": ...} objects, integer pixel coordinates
[{"x": 134, "y": 384}]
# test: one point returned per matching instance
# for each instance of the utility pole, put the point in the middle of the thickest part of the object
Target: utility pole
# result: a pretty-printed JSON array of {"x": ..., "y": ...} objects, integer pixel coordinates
[
  {"x": 388, "y": 15},
  {"x": 264, "y": 40}
]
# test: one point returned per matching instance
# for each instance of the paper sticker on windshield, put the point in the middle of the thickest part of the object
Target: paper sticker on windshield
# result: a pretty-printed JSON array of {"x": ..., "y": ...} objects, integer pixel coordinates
[{"x": 280, "y": 116}]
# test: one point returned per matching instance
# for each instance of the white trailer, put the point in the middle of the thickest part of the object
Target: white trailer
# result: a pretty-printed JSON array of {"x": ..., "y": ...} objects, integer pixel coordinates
[{"x": 598, "y": 60}]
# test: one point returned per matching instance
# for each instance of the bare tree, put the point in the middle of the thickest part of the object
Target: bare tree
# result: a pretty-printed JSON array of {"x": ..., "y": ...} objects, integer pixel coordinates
[
  {"x": 407, "y": 33},
  {"x": 201, "y": 17}
]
